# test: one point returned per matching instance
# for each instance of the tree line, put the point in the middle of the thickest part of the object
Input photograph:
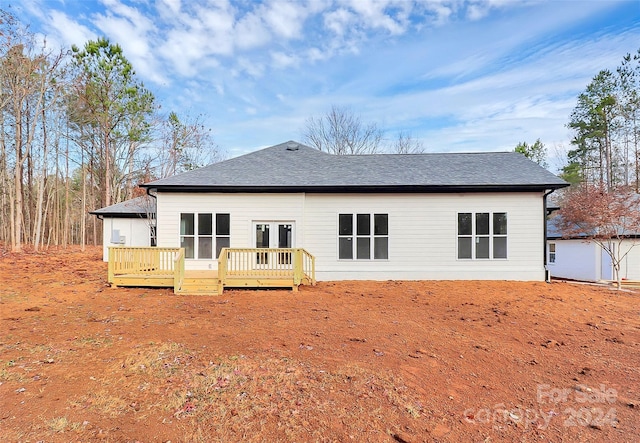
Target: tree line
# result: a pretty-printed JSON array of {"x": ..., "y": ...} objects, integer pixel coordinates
[
  {"x": 79, "y": 131},
  {"x": 606, "y": 129},
  {"x": 603, "y": 166}
]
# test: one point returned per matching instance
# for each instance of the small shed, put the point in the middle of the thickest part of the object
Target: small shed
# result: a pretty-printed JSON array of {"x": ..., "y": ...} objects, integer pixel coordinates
[
  {"x": 579, "y": 258},
  {"x": 129, "y": 223}
]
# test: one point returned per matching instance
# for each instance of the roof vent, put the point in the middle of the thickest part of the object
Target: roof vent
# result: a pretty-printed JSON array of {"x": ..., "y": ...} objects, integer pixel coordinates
[{"x": 292, "y": 146}]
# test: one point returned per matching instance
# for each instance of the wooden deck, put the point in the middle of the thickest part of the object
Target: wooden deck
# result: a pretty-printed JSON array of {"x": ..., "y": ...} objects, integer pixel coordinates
[{"x": 237, "y": 268}]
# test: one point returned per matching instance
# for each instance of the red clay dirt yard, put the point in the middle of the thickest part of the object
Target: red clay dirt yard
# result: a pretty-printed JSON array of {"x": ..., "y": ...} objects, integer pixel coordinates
[{"x": 351, "y": 361}]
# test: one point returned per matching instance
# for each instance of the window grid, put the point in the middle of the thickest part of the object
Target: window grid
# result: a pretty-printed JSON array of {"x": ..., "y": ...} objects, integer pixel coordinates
[
  {"x": 482, "y": 235},
  {"x": 197, "y": 234},
  {"x": 363, "y": 236}
]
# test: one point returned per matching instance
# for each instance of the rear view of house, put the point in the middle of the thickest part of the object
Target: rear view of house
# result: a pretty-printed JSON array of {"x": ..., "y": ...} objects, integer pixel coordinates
[{"x": 383, "y": 216}]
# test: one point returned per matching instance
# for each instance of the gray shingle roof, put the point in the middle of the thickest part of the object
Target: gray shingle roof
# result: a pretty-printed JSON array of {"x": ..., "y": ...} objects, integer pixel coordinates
[
  {"x": 134, "y": 208},
  {"x": 292, "y": 166}
]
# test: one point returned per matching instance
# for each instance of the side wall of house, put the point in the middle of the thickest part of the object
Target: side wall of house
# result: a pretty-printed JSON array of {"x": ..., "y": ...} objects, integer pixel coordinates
[
  {"x": 630, "y": 268},
  {"x": 423, "y": 239},
  {"x": 576, "y": 260},
  {"x": 134, "y": 230},
  {"x": 585, "y": 260}
]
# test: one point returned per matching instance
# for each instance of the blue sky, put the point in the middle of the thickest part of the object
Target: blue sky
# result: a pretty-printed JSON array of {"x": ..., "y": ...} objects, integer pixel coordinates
[{"x": 457, "y": 75}]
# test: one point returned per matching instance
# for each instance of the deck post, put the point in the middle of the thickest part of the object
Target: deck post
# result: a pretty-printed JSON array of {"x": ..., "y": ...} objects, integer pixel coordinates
[
  {"x": 110, "y": 266},
  {"x": 298, "y": 268},
  {"x": 223, "y": 261},
  {"x": 178, "y": 271}
]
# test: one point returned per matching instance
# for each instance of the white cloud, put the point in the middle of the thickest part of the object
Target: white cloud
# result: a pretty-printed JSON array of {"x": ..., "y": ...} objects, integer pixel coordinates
[
  {"x": 68, "y": 31},
  {"x": 134, "y": 31},
  {"x": 251, "y": 32},
  {"x": 216, "y": 32},
  {"x": 373, "y": 14},
  {"x": 173, "y": 5},
  {"x": 281, "y": 60},
  {"x": 315, "y": 55},
  {"x": 339, "y": 20},
  {"x": 285, "y": 18},
  {"x": 452, "y": 72},
  {"x": 246, "y": 65}
]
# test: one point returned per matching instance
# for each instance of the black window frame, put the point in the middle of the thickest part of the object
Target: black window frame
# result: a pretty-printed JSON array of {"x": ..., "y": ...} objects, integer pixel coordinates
[
  {"x": 482, "y": 235},
  {"x": 363, "y": 236}
]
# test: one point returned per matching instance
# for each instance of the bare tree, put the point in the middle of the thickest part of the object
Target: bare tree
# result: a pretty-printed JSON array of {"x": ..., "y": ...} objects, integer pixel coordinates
[
  {"x": 407, "y": 144},
  {"x": 28, "y": 78},
  {"x": 341, "y": 132},
  {"x": 183, "y": 145},
  {"x": 605, "y": 216}
]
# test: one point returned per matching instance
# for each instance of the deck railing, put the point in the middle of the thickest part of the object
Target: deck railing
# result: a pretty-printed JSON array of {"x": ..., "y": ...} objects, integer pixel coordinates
[
  {"x": 178, "y": 271},
  {"x": 280, "y": 263},
  {"x": 124, "y": 260},
  {"x": 237, "y": 267}
]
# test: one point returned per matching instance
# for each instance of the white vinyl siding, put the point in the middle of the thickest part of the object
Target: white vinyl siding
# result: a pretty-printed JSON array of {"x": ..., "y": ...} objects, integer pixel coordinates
[
  {"x": 579, "y": 259},
  {"x": 422, "y": 231},
  {"x": 135, "y": 232},
  {"x": 423, "y": 236},
  {"x": 244, "y": 209}
]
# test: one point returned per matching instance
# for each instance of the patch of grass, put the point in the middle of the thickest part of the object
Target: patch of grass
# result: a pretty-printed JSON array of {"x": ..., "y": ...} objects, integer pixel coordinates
[
  {"x": 40, "y": 348},
  {"x": 236, "y": 396},
  {"x": 103, "y": 403},
  {"x": 11, "y": 370},
  {"x": 9, "y": 375},
  {"x": 58, "y": 424},
  {"x": 160, "y": 360},
  {"x": 62, "y": 424},
  {"x": 94, "y": 341},
  {"x": 9, "y": 346},
  {"x": 12, "y": 296}
]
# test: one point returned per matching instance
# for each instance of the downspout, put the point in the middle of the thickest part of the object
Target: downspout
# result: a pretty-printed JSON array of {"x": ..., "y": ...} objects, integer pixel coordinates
[
  {"x": 155, "y": 222},
  {"x": 152, "y": 195},
  {"x": 547, "y": 274}
]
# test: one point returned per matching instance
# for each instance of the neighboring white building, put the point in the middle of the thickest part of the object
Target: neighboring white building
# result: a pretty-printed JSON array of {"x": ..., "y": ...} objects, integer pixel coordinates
[
  {"x": 130, "y": 223},
  {"x": 582, "y": 259},
  {"x": 455, "y": 216}
]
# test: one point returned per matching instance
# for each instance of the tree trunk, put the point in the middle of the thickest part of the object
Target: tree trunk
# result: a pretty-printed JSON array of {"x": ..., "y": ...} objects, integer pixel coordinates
[
  {"x": 41, "y": 184},
  {"x": 16, "y": 243},
  {"x": 83, "y": 218},
  {"x": 107, "y": 171}
]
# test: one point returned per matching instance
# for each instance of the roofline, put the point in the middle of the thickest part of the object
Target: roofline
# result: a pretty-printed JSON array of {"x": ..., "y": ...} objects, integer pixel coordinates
[
  {"x": 120, "y": 214},
  {"x": 391, "y": 189},
  {"x": 585, "y": 238}
]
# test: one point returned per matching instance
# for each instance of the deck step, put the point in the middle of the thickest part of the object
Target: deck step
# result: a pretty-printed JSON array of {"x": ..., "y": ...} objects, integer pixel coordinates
[{"x": 199, "y": 286}]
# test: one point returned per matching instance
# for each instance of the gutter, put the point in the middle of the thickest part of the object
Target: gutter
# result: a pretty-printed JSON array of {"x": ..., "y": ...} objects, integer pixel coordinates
[
  {"x": 349, "y": 189},
  {"x": 547, "y": 274}
]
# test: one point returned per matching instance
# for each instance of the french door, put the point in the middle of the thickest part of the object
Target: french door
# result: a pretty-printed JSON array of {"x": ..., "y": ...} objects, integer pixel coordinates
[{"x": 273, "y": 235}]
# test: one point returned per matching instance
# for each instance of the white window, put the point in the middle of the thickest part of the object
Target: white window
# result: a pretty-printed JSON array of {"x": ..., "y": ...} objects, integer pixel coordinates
[
  {"x": 552, "y": 252},
  {"x": 482, "y": 235},
  {"x": 196, "y": 234},
  {"x": 363, "y": 236},
  {"x": 153, "y": 236}
]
